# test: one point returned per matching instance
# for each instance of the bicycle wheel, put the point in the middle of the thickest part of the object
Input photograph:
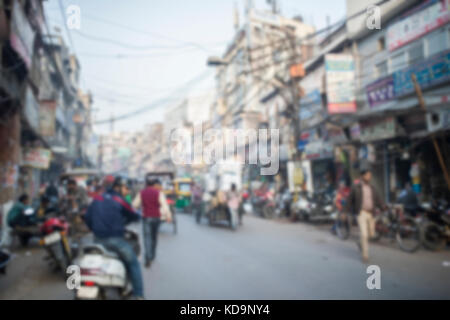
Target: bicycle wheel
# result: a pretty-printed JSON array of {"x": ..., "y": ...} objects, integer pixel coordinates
[
  {"x": 408, "y": 235},
  {"x": 343, "y": 225}
]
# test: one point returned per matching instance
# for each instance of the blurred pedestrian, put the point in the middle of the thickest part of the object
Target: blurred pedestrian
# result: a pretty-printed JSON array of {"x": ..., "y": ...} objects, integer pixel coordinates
[
  {"x": 154, "y": 205},
  {"x": 362, "y": 201},
  {"x": 234, "y": 201},
  {"x": 197, "y": 201}
]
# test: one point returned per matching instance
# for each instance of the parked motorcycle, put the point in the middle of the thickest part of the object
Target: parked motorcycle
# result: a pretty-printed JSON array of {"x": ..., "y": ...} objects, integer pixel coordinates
[
  {"x": 103, "y": 274},
  {"x": 435, "y": 229},
  {"x": 318, "y": 207},
  {"x": 264, "y": 205},
  {"x": 283, "y": 204},
  {"x": 55, "y": 240}
]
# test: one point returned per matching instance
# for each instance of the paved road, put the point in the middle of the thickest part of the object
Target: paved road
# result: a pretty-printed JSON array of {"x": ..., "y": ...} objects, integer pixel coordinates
[{"x": 261, "y": 260}]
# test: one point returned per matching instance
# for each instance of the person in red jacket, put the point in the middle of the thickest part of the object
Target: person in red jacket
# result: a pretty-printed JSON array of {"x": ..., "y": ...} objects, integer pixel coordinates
[{"x": 153, "y": 204}]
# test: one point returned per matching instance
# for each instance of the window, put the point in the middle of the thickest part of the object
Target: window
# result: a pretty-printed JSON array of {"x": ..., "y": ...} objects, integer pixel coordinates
[
  {"x": 415, "y": 53},
  {"x": 381, "y": 44},
  {"x": 381, "y": 69},
  {"x": 436, "y": 42},
  {"x": 398, "y": 61}
]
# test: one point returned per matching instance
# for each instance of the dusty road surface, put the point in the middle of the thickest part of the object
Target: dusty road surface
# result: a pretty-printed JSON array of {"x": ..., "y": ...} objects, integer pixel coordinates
[{"x": 261, "y": 260}]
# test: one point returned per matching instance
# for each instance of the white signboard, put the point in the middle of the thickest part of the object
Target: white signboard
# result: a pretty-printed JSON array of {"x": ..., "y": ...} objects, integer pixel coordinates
[{"x": 417, "y": 24}]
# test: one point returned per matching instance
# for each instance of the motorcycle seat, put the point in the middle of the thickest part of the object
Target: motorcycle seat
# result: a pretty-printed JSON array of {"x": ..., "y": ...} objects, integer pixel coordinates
[{"x": 99, "y": 248}]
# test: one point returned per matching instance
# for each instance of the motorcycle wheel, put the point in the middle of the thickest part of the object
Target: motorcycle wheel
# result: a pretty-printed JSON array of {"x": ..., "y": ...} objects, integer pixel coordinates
[
  {"x": 268, "y": 212},
  {"x": 408, "y": 235},
  {"x": 432, "y": 237},
  {"x": 61, "y": 259},
  {"x": 343, "y": 226},
  {"x": 111, "y": 294}
]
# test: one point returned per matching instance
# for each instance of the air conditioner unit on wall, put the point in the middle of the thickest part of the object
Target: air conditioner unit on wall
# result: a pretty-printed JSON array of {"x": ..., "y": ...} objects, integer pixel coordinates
[{"x": 438, "y": 120}]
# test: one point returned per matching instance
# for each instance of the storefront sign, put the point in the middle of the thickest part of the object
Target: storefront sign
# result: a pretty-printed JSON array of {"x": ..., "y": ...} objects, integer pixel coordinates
[
  {"x": 381, "y": 91},
  {"x": 430, "y": 72},
  {"x": 22, "y": 35},
  {"x": 310, "y": 104},
  {"x": 47, "y": 118},
  {"x": 340, "y": 80},
  {"x": 318, "y": 150},
  {"x": 373, "y": 130},
  {"x": 423, "y": 20},
  {"x": 37, "y": 158},
  {"x": 335, "y": 134}
]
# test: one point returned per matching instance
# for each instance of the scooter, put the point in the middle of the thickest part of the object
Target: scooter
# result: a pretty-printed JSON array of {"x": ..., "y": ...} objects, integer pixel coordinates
[
  {"x": 283, "y": 204},
  {"x": 303, "y": 207},
  {"x": 103, "y": 274}
]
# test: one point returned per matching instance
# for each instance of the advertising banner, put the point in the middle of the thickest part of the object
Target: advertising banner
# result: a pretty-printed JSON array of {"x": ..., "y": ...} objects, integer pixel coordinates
[
  {"x": 422, "y": 20},
  {"x": 340, "y": 81},
  {"x": 38, "y": 158}
]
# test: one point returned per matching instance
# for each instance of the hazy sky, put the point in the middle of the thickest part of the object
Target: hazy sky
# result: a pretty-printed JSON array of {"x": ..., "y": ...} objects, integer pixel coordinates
[{"x": 154, "y": 40}]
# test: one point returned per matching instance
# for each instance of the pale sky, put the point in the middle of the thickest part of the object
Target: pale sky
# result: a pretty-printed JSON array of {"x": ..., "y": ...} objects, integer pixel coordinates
[{"x": 154, "y": 39}]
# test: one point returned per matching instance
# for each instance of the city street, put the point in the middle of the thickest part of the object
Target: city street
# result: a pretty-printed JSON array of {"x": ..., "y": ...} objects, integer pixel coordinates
[{"x": 261, "y": 260}]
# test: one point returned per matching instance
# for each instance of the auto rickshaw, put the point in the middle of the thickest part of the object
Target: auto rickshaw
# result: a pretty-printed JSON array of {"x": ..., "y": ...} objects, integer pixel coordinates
[{"x": 183, "y": 193}]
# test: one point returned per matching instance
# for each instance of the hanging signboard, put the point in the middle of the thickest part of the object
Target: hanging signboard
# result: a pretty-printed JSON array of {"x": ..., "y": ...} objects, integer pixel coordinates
[
  {"x": 37, "y": 158},
  {"x": 424, "y": 19},
  {"x": 373, "y": 130},
  {"x": 340, "y": 82},
  {"x": 22, "y": 35},
  {"x": 47, "y": 118}
]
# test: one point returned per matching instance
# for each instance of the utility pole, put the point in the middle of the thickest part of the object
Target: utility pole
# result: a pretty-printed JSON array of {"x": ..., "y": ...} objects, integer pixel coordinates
[
  {"x": 294, "y": 108},
  {"x": 433, "y": 136}
]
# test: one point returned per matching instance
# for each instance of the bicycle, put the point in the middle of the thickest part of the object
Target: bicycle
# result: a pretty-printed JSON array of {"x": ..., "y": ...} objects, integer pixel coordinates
[{"x": 394, "y": 224}]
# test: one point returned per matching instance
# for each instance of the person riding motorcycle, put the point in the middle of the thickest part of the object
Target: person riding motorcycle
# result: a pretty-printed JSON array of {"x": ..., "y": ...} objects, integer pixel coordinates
[{"x": 107, "y": 217}]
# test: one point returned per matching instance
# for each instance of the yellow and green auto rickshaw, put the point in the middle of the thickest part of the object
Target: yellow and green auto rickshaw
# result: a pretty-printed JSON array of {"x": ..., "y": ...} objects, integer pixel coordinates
[{"x": 183, "y": 193}]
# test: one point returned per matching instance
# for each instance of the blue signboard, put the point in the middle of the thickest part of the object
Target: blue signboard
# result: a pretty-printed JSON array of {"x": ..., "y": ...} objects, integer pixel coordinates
[
  {"x": 310, "y": 104},
  {"x": 429, "y": 72}
]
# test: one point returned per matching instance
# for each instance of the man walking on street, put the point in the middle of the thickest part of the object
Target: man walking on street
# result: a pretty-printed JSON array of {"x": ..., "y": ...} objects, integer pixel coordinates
[
  {"x": 154, "y": 205},
  {"x": 362, "y": 201}
]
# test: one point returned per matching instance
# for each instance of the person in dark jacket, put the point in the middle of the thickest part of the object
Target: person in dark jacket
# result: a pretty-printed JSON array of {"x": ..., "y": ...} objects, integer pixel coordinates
[
  {"x": 362, "y": 201},
  {"x": 107, "y": 217}
]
